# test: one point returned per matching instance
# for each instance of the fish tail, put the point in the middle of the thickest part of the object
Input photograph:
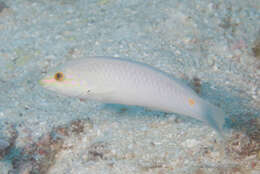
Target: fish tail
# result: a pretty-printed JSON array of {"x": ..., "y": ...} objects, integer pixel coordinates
[{"x": 215, "y": 118}]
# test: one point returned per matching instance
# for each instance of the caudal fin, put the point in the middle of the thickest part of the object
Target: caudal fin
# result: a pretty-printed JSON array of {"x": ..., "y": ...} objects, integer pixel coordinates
[{"x": 215, "y": 118}]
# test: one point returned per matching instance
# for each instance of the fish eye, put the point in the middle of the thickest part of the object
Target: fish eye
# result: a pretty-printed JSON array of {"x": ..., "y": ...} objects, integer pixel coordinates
[{"x": 59, "y": 76}]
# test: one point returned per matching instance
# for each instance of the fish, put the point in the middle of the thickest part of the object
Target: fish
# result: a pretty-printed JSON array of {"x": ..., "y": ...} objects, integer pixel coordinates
[{"x": 127, "y": 82}]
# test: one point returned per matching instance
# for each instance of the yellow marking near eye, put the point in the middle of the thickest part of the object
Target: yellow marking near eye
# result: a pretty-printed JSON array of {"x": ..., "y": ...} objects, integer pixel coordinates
[{"x": 191, "y": 102}]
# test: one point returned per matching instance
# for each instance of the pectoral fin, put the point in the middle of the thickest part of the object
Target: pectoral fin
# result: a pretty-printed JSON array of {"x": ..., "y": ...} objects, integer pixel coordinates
[{"x": 101, "y": 93}]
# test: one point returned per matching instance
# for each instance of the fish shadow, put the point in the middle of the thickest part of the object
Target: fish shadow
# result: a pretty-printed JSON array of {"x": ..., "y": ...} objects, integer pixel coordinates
[
  {"x": 238, "y": 106},
  {"x": 234, "y": 103}
]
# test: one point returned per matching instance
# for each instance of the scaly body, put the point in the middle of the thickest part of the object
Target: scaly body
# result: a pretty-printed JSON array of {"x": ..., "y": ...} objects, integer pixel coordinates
[{"x": 114, "y": 80}]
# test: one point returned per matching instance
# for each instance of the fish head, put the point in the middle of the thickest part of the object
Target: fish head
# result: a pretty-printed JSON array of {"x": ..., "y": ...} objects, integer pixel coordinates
[{"x": 66, "y": 81}]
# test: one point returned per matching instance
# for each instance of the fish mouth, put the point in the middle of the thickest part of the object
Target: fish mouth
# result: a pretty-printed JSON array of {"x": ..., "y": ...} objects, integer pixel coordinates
[
  {"x": 41, "y": 82},
  {"x": 46, "y": 81}
]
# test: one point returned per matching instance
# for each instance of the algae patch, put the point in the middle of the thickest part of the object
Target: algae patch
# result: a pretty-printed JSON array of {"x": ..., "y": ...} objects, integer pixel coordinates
[{"x": 256, "y": 49}]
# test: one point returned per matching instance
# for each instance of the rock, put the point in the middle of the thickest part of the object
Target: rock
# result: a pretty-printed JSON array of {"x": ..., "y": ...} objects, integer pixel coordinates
[
  {"x": 3, "y": 144},
  {"x": 2, "y": 6}
]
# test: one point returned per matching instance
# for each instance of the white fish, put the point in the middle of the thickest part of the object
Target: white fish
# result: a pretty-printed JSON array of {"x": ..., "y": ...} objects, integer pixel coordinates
[{"x": 115, "y": 80}]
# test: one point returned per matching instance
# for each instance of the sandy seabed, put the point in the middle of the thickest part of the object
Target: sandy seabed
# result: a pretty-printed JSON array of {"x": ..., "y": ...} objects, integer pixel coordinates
[{"x": 212, "y": 45}]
